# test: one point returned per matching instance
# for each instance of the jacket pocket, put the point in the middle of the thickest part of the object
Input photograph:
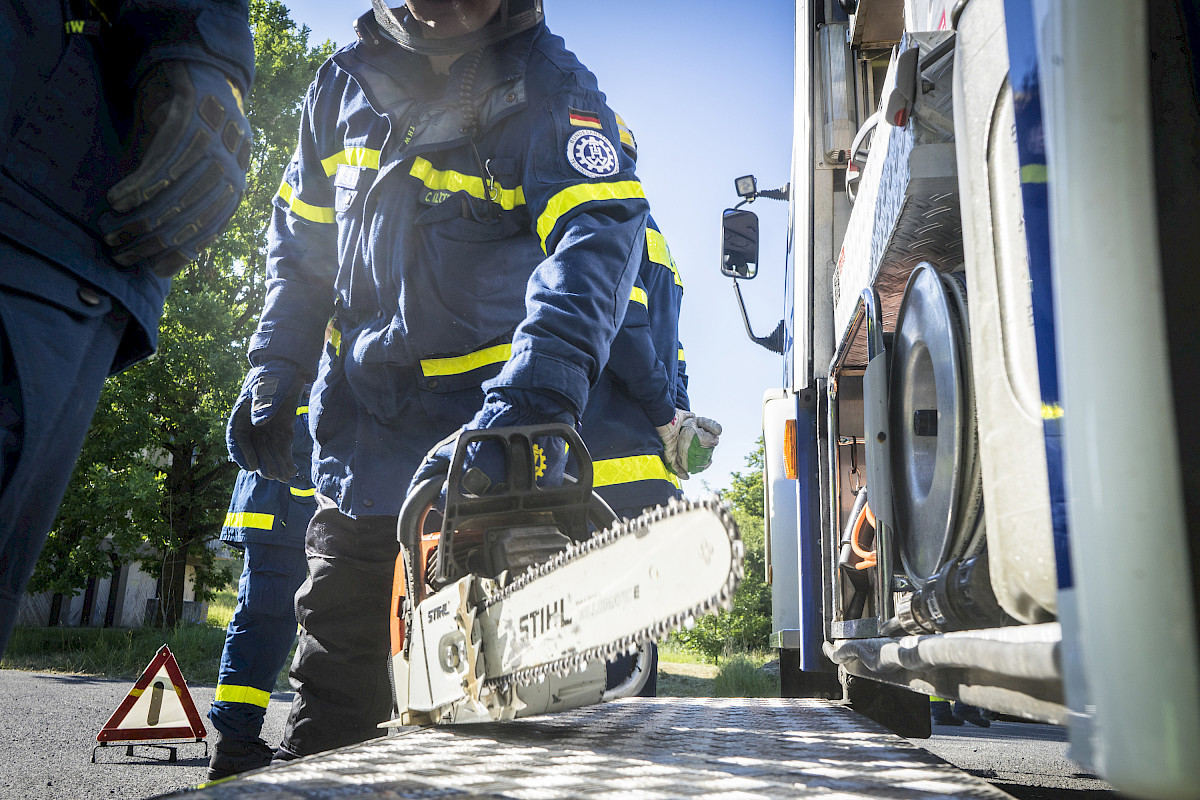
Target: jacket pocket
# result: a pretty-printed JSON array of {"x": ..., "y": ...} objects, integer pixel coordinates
[
  {"x": 381, "y": 382},
  {"x": 66, "y": 147}
]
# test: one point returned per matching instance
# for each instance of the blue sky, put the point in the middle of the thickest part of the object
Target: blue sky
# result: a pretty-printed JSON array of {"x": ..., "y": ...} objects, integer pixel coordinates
[{"x": 706, "y": 87}]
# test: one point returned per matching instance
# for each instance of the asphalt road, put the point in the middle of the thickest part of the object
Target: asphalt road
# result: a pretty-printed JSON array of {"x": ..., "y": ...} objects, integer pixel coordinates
[
  {"x": 1026, "y": 760},
  {"x": 49, "y": 726}
]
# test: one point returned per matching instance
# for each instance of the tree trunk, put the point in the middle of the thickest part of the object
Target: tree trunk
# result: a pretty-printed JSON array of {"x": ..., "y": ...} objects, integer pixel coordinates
[{"x": 170, "y": 588}]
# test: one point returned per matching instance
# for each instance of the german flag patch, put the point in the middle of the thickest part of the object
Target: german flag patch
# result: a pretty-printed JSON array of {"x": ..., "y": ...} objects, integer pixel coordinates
[{"x": 584, "y": 119}]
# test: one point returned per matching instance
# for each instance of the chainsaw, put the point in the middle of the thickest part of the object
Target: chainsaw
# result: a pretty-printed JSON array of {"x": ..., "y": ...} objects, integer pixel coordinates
[{"x": 510, "y": 600}]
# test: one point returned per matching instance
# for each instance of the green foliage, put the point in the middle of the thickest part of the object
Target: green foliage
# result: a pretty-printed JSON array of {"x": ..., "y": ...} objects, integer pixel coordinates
[
  {"x": 740, "y": 677},
  {"x": 153, "y": 479},
  {"x": 115, "y": 653},
  {"x": 748, "y": 625}
]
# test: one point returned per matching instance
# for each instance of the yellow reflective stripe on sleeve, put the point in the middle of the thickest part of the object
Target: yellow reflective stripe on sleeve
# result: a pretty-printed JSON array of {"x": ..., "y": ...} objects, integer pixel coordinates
[
  {"x": 351, "y": 156},
  {"x": 656, "y": 246},
  {"x": 242, "y": 694},
  {"x": 614, "y": 471},
  {"x": 638, "y": 295},
  {"x": 248, "y": 519},
  {"x": 681, "y": 355},
  {"x": 457, "y": 365},
  {"x": 302, "y": 492},
  {"x": 302, "y": 209},
  {"x": 451, "y": 181},
  {"x": 335, "y": 339},
  {"x": 574, "y": 196}
]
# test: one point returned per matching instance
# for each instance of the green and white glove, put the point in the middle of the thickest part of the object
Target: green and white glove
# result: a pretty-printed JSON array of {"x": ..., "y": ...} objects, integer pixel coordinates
[
  {"x": 698, "y": 436},
  {"x": 669, "y": 434}
]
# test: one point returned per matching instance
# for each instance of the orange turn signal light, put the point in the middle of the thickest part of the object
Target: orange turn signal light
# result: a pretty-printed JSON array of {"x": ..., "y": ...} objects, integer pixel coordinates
[{"x": 789, "y": 450}]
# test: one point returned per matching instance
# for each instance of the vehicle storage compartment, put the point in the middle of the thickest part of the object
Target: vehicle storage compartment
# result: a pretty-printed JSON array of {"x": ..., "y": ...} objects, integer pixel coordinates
[{"x": 1008, "y": 396}]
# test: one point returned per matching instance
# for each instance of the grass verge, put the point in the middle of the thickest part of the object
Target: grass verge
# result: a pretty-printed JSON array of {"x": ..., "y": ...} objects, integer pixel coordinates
[{"x": 115, "y": 653}]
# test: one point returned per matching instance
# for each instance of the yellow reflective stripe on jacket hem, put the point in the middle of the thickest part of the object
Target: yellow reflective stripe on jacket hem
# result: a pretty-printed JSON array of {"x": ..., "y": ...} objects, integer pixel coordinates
[
  {"x": 353, "y": 157},
  {"x": 656, "y": 247},
  {"x": 638, "y": 295},
  {"x": 457, "y": 365},
  {"x": 249, "y": 519},
  {"x": 302, "y": 492},
  {"x": 451, "y": 181},
  {"x": 614, "y": 471},
  {"x": 574, "y": 196},
  {"x": 242, "y": 694},
  {"x": 302, "y": 209}
]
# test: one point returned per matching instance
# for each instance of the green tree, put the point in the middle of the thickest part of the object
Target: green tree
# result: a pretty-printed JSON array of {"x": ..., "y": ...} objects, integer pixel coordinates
[
  {"x": 747, "y": 626},
  {"x": 153, "y": 479}
]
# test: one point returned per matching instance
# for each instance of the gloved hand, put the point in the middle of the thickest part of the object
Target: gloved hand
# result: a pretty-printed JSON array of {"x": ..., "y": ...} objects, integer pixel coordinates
[
  {"x": 694, "y": 448},
  {"x": 192, "y": 149},
  {"x": 669, "y": 434},
  {"x": 263, "y": 422},
  {"x": 488, "y": 457}
]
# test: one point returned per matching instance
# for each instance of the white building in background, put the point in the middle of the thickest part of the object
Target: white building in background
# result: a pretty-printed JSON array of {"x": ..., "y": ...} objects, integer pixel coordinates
[{"x": 124, "y": 600}]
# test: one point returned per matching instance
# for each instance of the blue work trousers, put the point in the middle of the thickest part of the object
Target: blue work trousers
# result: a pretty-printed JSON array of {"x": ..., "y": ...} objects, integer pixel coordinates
[
  {"x": 259, "y": 637},
  {"x": 58, "y": 336}
]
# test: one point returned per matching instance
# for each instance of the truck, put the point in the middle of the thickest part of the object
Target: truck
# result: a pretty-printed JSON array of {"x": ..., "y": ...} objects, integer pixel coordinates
[{"x": 981, "y": 465}]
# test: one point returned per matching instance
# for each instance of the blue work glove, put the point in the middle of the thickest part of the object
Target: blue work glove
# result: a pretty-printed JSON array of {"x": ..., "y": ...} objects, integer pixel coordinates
[
  {"x": 488, "y": 457},
  {"x": 192, "y": 150},
  {"x": 263, "y": 422}
]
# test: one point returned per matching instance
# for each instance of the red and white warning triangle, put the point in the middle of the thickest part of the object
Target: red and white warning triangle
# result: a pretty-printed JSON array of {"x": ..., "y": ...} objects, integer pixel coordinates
[{"x": 158, "y": 706}]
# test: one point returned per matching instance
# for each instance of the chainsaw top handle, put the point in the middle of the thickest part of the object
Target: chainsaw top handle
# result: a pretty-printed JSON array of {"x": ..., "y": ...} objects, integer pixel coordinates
[{"x": 521, "y": 499}]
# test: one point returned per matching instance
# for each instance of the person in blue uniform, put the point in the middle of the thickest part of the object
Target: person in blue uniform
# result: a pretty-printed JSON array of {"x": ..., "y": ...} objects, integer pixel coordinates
[
  {"x": 638, "y": 414},
  {"x": 460, "y": 203},
  {"x": 266, "y": 521},
  {"x": 124, "y": 150}
]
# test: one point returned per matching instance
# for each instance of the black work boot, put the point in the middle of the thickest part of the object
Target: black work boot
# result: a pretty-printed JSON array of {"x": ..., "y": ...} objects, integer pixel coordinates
[
  {"x": 940, "y": 713},
  {"x": 235, "y": 756},
  {"x": 970, "y": 714}
]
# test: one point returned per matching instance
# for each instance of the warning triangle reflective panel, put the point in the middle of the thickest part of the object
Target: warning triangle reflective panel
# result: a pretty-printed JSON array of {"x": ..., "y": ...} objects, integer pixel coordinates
[{"x": 159, "y": 706}]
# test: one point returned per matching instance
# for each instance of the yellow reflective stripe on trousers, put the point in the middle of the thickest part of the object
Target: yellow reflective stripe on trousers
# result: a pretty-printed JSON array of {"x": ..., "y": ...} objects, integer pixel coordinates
[
  {"x": 614, "y": 471},
  {"x": 351, "y": 156},
  {"x": 681, "y": 356},
  {"x": 302, "y": 492},
  {"x": 249, "y": 519},
  {"x": 242, "y": 694},
  {"x": 656, "y": 247},
  {"x": 302, "y": 209},
  {"x": 638, "y": 295},
  {"x": 574, "y": 196},
  {"x": 457, "y": 365},
  {"x": 450, "y": 181},
  {"x": 301, "y": 410}
]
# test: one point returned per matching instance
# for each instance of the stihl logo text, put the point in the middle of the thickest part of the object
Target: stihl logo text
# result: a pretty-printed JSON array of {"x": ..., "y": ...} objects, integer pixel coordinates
[
  {"x": 437, "y": 613},
  {"x": 536, "y": 623}
]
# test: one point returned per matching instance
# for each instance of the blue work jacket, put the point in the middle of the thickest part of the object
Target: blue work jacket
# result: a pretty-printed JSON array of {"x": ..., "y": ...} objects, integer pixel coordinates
[
  {"x": 66, "y": 114},
  {"x": 263, "y": 511},
  {"x": 643, "y": 383},
  {"x": 452, "y": 264}
]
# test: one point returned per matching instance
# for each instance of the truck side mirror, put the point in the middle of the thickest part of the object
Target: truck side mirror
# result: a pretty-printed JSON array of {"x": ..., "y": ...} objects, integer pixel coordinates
[{"x": 739, "y": 244}]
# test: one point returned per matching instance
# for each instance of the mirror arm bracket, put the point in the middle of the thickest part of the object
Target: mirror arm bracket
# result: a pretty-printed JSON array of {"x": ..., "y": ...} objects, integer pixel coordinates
[{"x": 774, "y": 342}]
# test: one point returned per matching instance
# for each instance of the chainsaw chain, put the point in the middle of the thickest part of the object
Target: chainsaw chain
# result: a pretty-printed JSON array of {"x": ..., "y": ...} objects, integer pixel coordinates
[{"x": 627, "y": 644}]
